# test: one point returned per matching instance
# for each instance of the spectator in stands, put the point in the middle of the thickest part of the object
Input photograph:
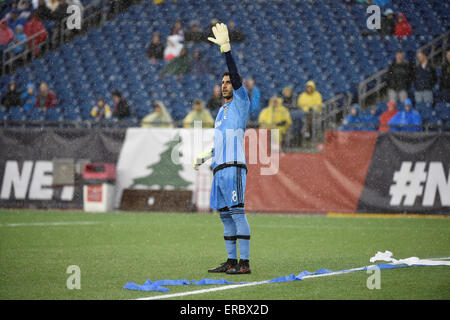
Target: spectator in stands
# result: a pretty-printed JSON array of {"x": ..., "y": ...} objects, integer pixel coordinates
[
  {"x": 52, "y": 5},
  {"x": 275, "y": 116},
  {"x": 288, "y": 99},
  {"x": 235, "y": 34},
  {"x": 444, "y": 84},
  {"x": 215, "y": 101},
  {"x": 353, "y": 121},
  {"x": 45, "y": 98},
  {"x": 11, "y": 98},
  {"x": 424, "y": 79},
  {"x": 101, "y": 110},
  {"x": 19, "y": 36},
  {"x": 402, "y": 27},
  {"x": 43, "y": 11},
  {"x": 199, "y": 66},
  {"x": 173, "y": 47},
  {"x": 178, "y": 29},
  {"x": 310, "y": 99},
  {"x": 254, "y": 94},
  {"x": 399, "y": 78},
  {"x": 14, "y": 19},
  {"x": 388, "y": 23},
  {"x": 159, "y": 118},
  {"x": 33, "y": 27},
  {"x": 297, "y": 115},
  {"x": 121, "y": 108},
  {"x": 195, "y": 34},
  {"x": 60, "y": 12},
  {"x": 198, "y": 113},
  {"x": 29, "y": 97},
  {"x": 387, "y": 116},
  {"x": 25, "y": 9},
  {"x": 371, "y": 120},
  {"x": 6, "y": 34},
  {"x": 155, "y": 49},
  {"x": 179, "y": 66},
  {"x": 406, "y": 120}
]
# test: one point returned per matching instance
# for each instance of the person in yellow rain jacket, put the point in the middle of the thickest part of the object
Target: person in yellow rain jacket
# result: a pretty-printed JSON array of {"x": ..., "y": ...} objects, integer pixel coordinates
[
  {"x": 275, "y": 116},
  {"x": 310, "y": 99},
  {"x": 159, "y": 118},
  {"x": 198, "y": 113}
]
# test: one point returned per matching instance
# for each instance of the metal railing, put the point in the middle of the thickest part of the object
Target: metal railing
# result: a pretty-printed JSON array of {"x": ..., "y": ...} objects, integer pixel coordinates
[
  {"x": 94, "y": 12},
  {"x": 366, "y": 88}
]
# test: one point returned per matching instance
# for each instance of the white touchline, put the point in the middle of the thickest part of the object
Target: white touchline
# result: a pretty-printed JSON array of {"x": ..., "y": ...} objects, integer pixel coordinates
[
  {"x": 32, "y": 224},
  {"x": 235, "y": 286}
]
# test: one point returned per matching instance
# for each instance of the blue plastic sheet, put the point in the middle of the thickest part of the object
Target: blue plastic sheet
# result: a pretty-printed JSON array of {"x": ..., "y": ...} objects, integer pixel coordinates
[{"x": 158, "y": 285}]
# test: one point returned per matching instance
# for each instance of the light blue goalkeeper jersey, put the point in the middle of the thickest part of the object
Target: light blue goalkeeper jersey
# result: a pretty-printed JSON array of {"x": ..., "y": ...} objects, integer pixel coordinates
[{"x": 230, "y": 128}]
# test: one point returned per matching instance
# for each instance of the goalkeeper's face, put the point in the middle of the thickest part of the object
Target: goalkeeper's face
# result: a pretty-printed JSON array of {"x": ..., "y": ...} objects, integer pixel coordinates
[{"x": 227, "y": 88}]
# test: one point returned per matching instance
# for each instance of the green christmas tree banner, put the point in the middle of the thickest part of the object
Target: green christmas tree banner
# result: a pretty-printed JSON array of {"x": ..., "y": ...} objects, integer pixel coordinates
[{"x": 160, "y": 158}]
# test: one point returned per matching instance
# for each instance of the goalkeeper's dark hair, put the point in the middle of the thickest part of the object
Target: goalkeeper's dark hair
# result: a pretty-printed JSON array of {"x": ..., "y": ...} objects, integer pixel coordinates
[{"x": 226, "y": 73}]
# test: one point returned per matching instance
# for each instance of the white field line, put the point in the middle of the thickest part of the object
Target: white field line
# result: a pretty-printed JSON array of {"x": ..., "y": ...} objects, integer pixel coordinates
[
  {"x": 235, "y": 286},
  {"x": 45, "y": 224}
]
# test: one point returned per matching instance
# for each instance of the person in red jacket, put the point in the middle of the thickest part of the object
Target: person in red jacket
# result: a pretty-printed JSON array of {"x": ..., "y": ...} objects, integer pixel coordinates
[
  {"x": 387, "y": 115},
  {"x": 32, "y": 27},
  {"x": 402, "y": 27},
  {"x": 45, "y": 98}
]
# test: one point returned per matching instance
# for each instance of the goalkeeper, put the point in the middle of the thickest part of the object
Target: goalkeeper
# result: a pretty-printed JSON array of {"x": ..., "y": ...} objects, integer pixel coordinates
[{"x": 228, "y": 161}]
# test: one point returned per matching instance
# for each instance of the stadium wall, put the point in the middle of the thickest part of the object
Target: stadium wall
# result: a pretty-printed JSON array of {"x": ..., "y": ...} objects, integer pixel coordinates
[{"x": 356, "y": 172}]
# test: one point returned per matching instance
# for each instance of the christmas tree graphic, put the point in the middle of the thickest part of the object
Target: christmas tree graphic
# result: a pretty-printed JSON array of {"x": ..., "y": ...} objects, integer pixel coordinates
[{"x": 165, "y": 172}]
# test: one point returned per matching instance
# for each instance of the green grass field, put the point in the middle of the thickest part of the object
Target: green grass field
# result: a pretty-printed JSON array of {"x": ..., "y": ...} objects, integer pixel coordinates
[{"x": 36, "y": 247}]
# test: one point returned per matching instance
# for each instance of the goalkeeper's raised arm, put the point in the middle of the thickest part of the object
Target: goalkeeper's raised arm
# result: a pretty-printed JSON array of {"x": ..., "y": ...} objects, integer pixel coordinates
[{"x": 222, "y": 39}]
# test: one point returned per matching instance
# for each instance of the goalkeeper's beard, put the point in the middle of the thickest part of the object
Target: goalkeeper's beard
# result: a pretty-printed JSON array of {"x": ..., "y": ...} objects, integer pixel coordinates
[{"x": 229, "y": 97}]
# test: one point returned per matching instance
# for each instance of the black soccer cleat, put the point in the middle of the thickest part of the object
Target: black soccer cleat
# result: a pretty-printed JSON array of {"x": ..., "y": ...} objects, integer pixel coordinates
[
  {"x": 243, "y": 267},
  {"x": 224, "y": 267}
]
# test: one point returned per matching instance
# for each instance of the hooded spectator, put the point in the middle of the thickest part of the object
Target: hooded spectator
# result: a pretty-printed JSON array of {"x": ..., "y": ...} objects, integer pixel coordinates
[
  {"x": 199, "y": 66},
  {"x": 310, "y": 99},
  {"x": 198, "y": 113},
  {"x": 101, "y": 110},
  {"x": 387, "y": 116},
  {"x": 275, "y": 116},
  {"x": 288, "y": 99},
  {"x": 33, "y": 27},
  {"x": 159, "y": 118},
  {"x": 11, "y": 97},
  {"x": 6, "y": 34},
  {"x": 19, "y": 37},
  {"x": 406, "y": 120},
  {"x": 399, "y": 78},
  {"x": 29, "y": 97},
  {"x": 121, "y": 107},
  {"x": 371, "y": 119},
  {"x": 353, "y": 121},
  {"x": 402, "y": 27},
  {"x": 155, "y": 49},
  {"x": 45, "y": 98}
]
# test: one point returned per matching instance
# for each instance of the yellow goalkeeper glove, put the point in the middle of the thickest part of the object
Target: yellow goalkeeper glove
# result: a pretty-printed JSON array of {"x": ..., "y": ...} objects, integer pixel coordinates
[{"x": 222, "y": 39}]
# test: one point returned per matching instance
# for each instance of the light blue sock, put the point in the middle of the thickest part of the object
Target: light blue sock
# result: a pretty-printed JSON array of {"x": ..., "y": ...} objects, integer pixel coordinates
[
  {"x": 242, "y": 232},
  {"x": 229, "y": 234}
]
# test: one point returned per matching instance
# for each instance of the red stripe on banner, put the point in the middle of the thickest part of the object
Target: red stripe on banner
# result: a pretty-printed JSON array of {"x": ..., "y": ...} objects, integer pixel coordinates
[{"x": 313, "y": 183}]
